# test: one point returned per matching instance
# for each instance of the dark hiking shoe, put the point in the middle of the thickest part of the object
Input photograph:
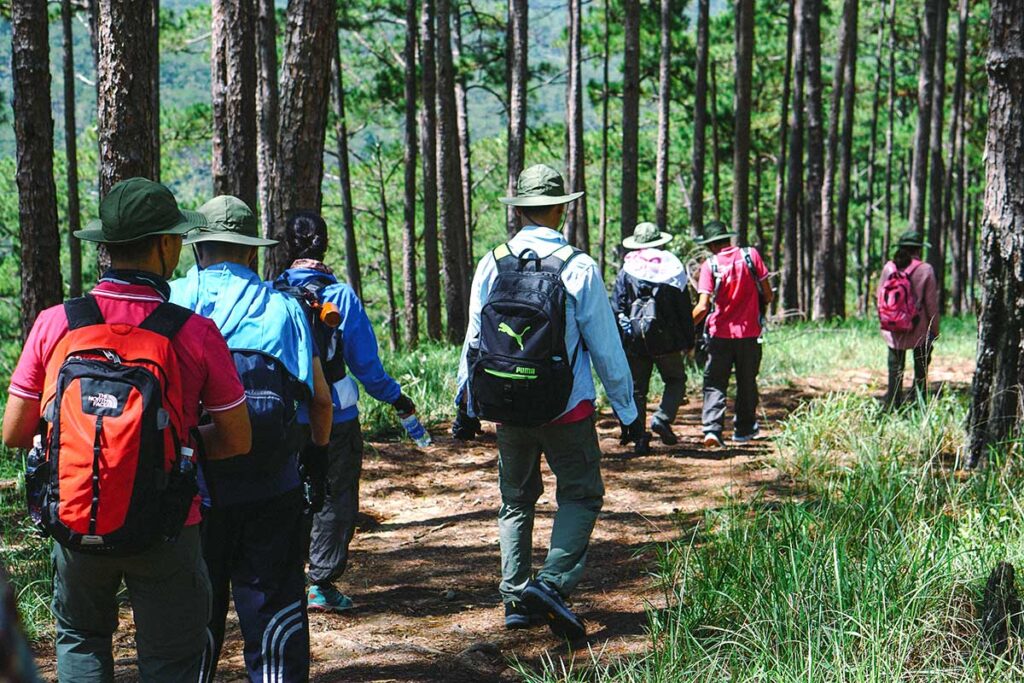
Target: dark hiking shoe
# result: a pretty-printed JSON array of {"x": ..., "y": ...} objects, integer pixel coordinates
[
  {"x": 999, "y": 608},
  {"x": 643, "y": 445},
  {"x": 664, "y": 431},
  {"x": 542, "y": 599},
  {"x": 754, "y": 435},
  {"x": 517, "y": 616}
]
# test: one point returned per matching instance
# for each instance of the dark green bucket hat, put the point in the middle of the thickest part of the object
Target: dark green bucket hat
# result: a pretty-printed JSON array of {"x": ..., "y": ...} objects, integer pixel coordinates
[
  {"x": 647, "y": 236},
  {"x": 912, "y": 238},
  {"x": 715, "y": 231},
  {"x": 229, "y": 219},
  {"x": 540, "y": 185},
  {"x": 136, "y": 208}
]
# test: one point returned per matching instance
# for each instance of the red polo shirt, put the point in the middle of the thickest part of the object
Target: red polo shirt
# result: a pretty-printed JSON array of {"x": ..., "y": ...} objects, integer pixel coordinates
[{"x": 209, "y": 379}]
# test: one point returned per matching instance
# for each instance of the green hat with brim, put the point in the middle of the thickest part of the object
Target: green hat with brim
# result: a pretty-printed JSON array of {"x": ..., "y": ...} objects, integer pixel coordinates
[
  {"x": 137, "y": 208},
  {"x": 540, "y": 185},
  {"x": 912, "y": 238},
  {"x": 647, "y": 236},
  {"x": 715, "y": 231},
  {"x": 229, "y": 219}
]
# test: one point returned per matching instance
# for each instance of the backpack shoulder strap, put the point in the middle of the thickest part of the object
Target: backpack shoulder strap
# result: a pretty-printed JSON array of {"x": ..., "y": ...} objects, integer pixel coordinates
[
  {"x": 82, "y": 311},
  {"x": 749, "y": 261},
  {"x": 166, "y": 319},
  {"x": 565, "y": 254},
  {"x": 503, "y": 257}
]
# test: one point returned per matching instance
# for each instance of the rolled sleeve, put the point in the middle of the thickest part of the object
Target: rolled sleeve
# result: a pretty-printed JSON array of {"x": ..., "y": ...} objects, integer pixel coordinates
[{"x": 706, "y": 281}]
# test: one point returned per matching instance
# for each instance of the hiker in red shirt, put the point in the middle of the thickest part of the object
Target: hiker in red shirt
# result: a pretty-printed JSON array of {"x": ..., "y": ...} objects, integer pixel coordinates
[
  {"x": 167, "y": 582},
  {"x": 922, "y": 328},
  {"x": 734, "y": 290}
]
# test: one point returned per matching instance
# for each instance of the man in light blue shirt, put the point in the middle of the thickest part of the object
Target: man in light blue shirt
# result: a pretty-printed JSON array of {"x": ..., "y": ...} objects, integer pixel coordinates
[{"x": 569, "y": 441}]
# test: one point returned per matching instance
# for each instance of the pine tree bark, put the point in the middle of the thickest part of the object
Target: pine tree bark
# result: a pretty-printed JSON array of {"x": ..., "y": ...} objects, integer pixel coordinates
[
  {"x": 628, "y": 208},
  {"x": 925, "y": 82},
  {"x": 310, "y": 40},
  {"x": 389, "y": 280},
  {"x": 742, "y": 107},
  {"x": 865, "y": 254},
  {"x": 780, "y": 162},
  {"x": 891, "y": 107},
  {"x": 664, "y": 102},
  {"x": 716, "y": 175},
  {"x": 791, "y": 269},
  {"x": 267, "y": 111},
  {"x": 233, "y": 82},
  {"x": 125, "y": 121},
  {"x": 450, "y": 213},
  {"x": 821, "y": 234},
  {"x": 154, "y": 76},
  {"x": 956, "y": 174},
  {"x": 409, "y": 274},
  {"x": 937, "y": 174},
  {"x": 516, "y": 47},
  {"x": 603, "y": 228},
  {"x": 353, "y": 272},
  {"x": 995, "y": 411},
  {"x": 576, "y": 224},
  {"x": 33, "y": 135},
  {"x": 74, "y": 217},
  {"x": 700, "y": 118},
  {"x": 842, "y": 208},
  {"x": 465, "y": 148},
  {"x": 428, "y": 147}
]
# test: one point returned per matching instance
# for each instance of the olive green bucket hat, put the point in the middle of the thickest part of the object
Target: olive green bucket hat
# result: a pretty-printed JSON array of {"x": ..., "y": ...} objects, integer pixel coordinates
[
  {"x": 229, "y": 219},
  {"x": 647, "y": 236},
  {"x": 540, "y": 185},
  {"x": 136, "y": 208},
  {"x": 715, "y": 231},
  {"x": 912, "y": 238}
]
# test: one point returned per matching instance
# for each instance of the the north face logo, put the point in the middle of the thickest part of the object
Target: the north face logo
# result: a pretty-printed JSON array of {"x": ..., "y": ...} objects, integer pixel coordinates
[{"x": 108, "y": 401}]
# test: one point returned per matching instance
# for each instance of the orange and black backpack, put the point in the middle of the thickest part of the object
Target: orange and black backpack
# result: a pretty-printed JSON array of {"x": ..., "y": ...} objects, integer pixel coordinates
[{"x": 119, "y": 474}]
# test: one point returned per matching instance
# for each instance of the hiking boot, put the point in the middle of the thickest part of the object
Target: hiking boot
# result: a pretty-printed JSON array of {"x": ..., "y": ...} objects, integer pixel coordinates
[
  {"x": 747, "y": 438},
  {"x": 999, "y": 608},
  {"x": 643, "y": 445},
  {"x": 664, "y": 431},
  {"x": 328, "y": 599},
  {"x": 542, "y": 599},
  {"x": 712, "y": 440},
  {"x": 517, "y": 616}
]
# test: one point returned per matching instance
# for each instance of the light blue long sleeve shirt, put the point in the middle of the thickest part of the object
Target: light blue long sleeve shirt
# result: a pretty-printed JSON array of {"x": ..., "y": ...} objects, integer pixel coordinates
[{"x": 588, "y": 316}]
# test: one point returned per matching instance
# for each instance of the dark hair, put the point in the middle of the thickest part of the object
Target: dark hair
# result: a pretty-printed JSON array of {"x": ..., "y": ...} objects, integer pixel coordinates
[
  {"x": 127, "y": 253},
  {"x": 218, "y": 252},
  {"x": 535, "y": 213},
  {"x": 306, "y": 233},
  {"x": 904, "y": 255}
]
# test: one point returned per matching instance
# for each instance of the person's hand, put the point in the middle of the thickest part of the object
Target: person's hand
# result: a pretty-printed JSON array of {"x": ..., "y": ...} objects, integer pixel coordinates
[
  {"x": 631, "y": 432},
  {"x": 404, "y": 405},
  {"x": 625, "y": 325},
  {"x": 465, "y": 427}
]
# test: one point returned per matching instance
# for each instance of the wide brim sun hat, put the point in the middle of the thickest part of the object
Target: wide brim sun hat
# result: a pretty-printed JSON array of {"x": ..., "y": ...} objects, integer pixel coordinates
[
  {"x": 229, "y": 219},
  {"x": 540, "y": 185},
  {"x": 647, "y": 236},
  {"x": 137, "y": 208}
]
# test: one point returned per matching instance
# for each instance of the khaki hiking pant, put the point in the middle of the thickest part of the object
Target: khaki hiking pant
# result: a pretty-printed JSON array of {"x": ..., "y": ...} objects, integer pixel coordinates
[{"x": 574, "y": 457}]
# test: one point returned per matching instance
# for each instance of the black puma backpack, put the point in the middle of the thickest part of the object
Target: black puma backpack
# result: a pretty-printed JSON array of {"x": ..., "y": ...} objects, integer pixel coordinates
[{"x": 522, "y": 372}]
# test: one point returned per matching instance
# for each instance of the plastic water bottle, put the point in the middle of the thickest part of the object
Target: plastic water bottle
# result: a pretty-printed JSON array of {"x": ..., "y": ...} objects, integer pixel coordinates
[
  {"x": 187, "y": 464},
  {"x": 35, "y": 483},
  {"x": 415, "y": 429}
]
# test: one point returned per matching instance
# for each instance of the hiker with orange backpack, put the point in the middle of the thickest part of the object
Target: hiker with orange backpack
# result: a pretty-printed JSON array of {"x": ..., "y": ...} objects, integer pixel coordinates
[
  {"x": 111, "y": 385},
  {"x": 254, "y": 530},
  {"x": 734, "y": 291},
  {"x": 908, "y": 313}
]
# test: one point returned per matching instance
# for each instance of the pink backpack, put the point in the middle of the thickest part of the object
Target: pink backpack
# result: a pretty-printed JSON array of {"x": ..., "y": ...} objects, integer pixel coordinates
[{"x": 897, "y": 306}]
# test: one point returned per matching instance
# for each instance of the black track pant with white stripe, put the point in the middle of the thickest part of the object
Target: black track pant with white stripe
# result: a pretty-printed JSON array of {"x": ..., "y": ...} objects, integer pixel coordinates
[{"x": 257, "y": 552}]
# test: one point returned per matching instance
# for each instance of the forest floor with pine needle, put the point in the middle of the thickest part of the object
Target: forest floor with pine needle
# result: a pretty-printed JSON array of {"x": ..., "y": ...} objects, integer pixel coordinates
[{"x": 424, "y": 567}]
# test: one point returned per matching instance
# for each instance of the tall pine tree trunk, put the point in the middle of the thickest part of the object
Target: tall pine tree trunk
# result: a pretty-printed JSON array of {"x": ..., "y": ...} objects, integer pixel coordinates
[
  {"x": 267, "y": 111},
  {"x": 409, "y": 273},
  {"x": 700, "y": 118},
  {"x": 865, "y": 254},
  {"x": 450, "y": 213},
  {"x": 889, "y": 131},
  {"x": 995, "y": 411},
  {"x": 74, "y": 217},
  {"x": 925, "y": 81},
  {"x": 664, "y": 100},
  {"x": 628, "y": 208},
  {"x": 794, "y": 171},
  {"x": 233, "y": 81},
  {"x": 428, "y": 149},
  {"x": 154, "y": 77},
  {"x": 842, "y": 206},
  {"x": 603, "y": 228},
  {"x": 33, "y": 136},
  {"x": 742, "y": 107},
  {"x": 352, "y": 270},
  {"x": 465, "y": 149},
  {"x": 576, "y": 228},
  {"x": 820, "y": 233},
  {"x": 956, "y": 175},
  {"x": 389, "y": 279},
  {"x": 937, "y": 175},
  {"x": 780, "y": 162},
  {"x": 716, "y": 175},
  {"x": 310, "y": 44},
  {"x": 517, "y": 67}
]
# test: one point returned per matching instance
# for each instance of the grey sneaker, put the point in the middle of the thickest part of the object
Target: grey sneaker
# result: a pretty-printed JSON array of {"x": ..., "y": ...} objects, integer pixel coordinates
[
  {"x": 747, "y": 438},
  {"x": 712, "y": 440},
  {"x": 664, "y": 431}
]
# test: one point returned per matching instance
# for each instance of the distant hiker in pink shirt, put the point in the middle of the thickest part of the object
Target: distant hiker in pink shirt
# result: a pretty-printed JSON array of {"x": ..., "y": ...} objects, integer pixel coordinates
[
  {"x": 908, "y": 306},
  {"x": 734, "y": 291}
]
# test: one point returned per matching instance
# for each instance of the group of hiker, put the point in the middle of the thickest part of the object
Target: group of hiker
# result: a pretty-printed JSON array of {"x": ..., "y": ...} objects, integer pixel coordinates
[{"x": 199, "y": 440}]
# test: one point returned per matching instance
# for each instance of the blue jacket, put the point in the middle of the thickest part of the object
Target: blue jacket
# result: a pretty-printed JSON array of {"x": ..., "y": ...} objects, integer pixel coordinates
[
  {"x": 362, "y": 355},
  {"x": 252, "y": 316},
  {"x": 588, "y": 315}
]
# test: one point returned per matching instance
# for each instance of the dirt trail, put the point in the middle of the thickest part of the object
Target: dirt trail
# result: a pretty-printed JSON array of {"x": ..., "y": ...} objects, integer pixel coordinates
[{"x": 424, "y": 567}]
